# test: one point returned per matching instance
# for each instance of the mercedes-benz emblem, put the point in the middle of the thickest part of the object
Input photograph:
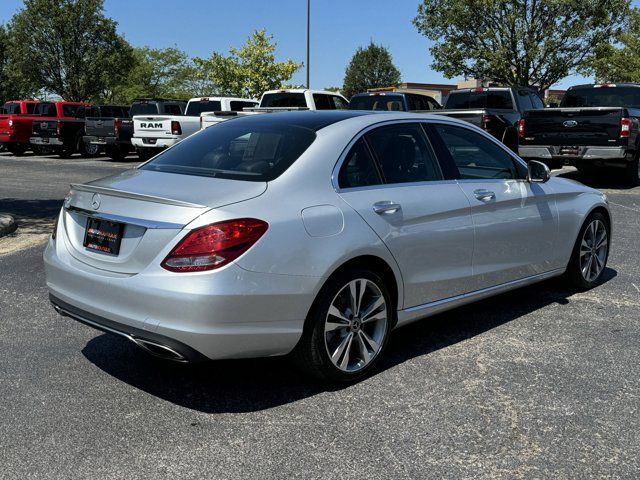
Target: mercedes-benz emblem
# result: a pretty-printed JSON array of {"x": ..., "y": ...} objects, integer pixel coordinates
[
  {"x": 95, "y": 201},
  {"x": 570, "y": 123}
]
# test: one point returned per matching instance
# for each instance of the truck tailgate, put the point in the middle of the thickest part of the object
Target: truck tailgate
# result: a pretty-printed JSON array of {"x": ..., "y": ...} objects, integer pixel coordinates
[
  {"x": 156, "y": 126},
  {"x": 100, "y": 126},
  {"x": 596, "y": 126}
]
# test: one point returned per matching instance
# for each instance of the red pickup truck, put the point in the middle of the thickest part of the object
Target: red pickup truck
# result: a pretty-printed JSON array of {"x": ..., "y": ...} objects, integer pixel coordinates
[
  {"x": 15, "y": 125},
  {"x": 59, "y": 126}
]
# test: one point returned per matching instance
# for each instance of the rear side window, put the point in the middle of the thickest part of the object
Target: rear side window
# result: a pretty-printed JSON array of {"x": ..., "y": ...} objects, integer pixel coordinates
[
  {"x": 72, "y": 110},
  {"x": 194, "y": 109},
  {"x": 393, "y": 103},
  {"x": 238, "y": 106},
  {"x": 255, "y": 150},
  {"x": 283, "y": 99},
  {"x": 358, "y": 168},
  {"x": 419, "y": 102},
  {"x": 404, "y": 154},
  {"x": 475, "y": 156}
]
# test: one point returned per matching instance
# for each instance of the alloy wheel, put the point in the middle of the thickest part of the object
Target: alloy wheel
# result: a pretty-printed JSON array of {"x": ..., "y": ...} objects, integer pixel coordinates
[
  {"x": 356, "y": 325},
  {"x": 593, "y": 250}
]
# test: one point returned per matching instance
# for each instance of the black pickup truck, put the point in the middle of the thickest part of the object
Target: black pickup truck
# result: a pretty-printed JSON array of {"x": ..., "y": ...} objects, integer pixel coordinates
[
  {"x": 595, "y": 127},
  {"x": 494, "y": 109},
  {"x": 110, "y": 127}
]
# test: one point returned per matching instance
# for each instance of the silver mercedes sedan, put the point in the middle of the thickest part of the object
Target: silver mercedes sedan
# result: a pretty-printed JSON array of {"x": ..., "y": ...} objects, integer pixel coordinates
[{"x": 315, "y": 233}]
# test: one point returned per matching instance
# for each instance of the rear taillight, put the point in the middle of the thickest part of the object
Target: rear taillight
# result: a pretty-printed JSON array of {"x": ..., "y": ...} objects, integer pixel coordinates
[
  {"x": 10, "y": 123},
  {"x": 486, "y": 120},
  {"x": 59, "y": 127},
  {"x": 215, "y": 245},
  {"x": 521, "y": 127},
  {"x": 176, "y": 129},
  {"x": 625, "y": 127},
  {"x": 118, "y": 126}
]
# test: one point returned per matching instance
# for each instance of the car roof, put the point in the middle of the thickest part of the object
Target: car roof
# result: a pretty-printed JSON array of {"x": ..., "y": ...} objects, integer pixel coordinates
[
  {"x": 218, "y": 98},
  {"x": 301, "y": 90},
  {"x": 606, "y": 85},
  {"x": 311, "y": 119}
]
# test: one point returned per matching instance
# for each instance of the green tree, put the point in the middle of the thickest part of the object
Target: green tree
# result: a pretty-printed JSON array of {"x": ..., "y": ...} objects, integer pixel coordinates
[
  {"x": 12, "y": 84},
  {"x": 618, "y": 61},
  {"x": 517, "y": 42},
  {"x": 250, "y": 70},
  {"x": 68, "y": 47},
  {"x": 370, "y": 67}
]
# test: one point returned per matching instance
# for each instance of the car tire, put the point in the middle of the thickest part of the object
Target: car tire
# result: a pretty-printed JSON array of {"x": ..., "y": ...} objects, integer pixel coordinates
[
  {"x": 115, "y": 153},
  {"x": 87, "y": 150},
  {"x": 632, "y": 172},
  {"x": 590, "y": 253},
  {"x": 17, "y": 149},
  {"x": 356, "y": 336}
]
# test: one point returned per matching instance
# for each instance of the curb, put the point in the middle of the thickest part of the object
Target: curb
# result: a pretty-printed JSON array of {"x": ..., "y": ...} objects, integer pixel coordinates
[{"x": 7, "y": 224}]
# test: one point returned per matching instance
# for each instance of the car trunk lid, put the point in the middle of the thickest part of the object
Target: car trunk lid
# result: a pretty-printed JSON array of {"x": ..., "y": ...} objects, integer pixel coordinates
[{"x": 153, "y": 208}]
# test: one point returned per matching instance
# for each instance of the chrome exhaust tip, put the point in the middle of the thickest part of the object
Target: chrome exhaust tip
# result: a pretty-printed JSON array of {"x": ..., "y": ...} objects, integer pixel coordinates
[{"x": 159, "y": 350}]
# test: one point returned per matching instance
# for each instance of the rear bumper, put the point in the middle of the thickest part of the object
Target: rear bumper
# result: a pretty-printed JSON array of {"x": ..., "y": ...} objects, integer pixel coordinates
[
  {"x": 614, "y": 156},
  {"x": 227, "y": 313},
  {"x": 149, "y": 142},
  {"x": 93, "y": 140},
  {"x": 49, "y": 141}
]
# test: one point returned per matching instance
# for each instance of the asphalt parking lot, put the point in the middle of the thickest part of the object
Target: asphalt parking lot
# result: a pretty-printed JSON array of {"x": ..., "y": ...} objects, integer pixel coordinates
[{"x": 537, "y": 383}]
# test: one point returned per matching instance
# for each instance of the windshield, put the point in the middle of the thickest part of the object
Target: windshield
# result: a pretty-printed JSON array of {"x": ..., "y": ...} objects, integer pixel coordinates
[
  {"x": 394, "y": 103},
  {"x": 235, "y": 149},
  {"x": 195, "y": 108},
  {"x": 283, "y": 99},
  {"x": 602, "y": 97},
  {"x": 144, "y": 109}
]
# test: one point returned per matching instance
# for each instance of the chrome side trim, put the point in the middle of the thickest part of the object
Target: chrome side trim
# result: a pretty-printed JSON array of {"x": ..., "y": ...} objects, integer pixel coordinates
[
  {"x": 136, "y": 196},
  {"x": 150, "y": 224},
  {"x": 418, "y": 312}
]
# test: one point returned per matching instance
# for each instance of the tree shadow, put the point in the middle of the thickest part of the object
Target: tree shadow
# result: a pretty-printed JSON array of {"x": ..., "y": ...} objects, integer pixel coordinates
[{"x": 257, "y": 384}]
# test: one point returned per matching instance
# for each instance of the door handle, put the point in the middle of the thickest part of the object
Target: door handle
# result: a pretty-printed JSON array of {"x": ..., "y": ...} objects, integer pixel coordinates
[
  {"x": 386, "y": 206},
  {"x": 484, "y": 195}
]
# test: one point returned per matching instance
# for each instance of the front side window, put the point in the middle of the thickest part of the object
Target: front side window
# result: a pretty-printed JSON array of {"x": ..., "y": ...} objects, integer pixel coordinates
[
  {"x": 358, "y": 168},
  {"x": 525, "y": 100},
  {"x": 254, "y": 151},
  {"x": 477, "y": 157},
  {"x": 404, "y": 154},
  {"x": 536, "y": 101}
]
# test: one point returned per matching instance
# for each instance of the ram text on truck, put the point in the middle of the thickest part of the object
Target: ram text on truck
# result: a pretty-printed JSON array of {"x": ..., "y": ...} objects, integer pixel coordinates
[{"x": 595, "y": 127}]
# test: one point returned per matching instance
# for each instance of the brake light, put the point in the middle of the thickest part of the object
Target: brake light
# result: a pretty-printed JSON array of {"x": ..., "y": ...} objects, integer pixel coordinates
[
  {"x": 176, "y": 129},
  {"x": 479, "y": 90},
  {"x": 486, "y": 119},
  {"x": 521, "y": 127},
  {"x": 59, "y": 127},
  {"x": 117, "y": 126},
  {"x": 625, "y": 127},
  {"x": 10, "y": 123},
  {"x": 215, "y": 245}
]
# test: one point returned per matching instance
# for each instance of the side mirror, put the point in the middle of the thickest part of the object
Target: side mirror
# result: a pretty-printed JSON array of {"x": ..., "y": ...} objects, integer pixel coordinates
[{"x": 537, "y": 172}]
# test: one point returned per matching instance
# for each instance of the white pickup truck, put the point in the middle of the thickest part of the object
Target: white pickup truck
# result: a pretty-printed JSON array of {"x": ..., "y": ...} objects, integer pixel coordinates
[
  {"x": 154, "y": 133},
  {"x": 283, "y": 100}
]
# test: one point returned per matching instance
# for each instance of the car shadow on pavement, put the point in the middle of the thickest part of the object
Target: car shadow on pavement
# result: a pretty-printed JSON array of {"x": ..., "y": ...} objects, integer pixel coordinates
[
  {"x": 19, "y": 207},
  {"x": 252, "y": 385}
]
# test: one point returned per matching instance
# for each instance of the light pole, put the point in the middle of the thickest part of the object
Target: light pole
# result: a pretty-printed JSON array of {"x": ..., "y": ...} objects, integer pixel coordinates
[{"x": 308, "y": 39}]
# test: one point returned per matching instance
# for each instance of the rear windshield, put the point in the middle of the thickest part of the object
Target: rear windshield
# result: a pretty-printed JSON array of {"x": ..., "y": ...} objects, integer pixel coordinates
[
  {"x": 483, "y": 99},
  {"x": 145, "y": 108},
  {"x": 602, "y": 97},
  {"x": 393, "y": 103},
  {"x": 46, "y": 109},
  {"x": 194, "y": 109},
  {"x": 283, "y": 99},
  {"x": 253, "y": 151}
]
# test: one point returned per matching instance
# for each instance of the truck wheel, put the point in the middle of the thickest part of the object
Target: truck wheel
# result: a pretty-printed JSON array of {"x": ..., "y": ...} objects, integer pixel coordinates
[
  {"x": 17, "y": 149},
  {"x": 87, "y": 150},
  {"x": 115, "y": 153},
  {"x": 146, "y": 153},
  {"x": 632, "y": 172}
]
